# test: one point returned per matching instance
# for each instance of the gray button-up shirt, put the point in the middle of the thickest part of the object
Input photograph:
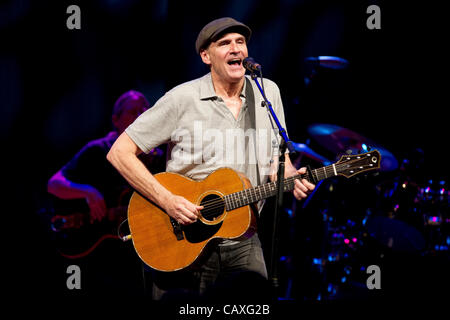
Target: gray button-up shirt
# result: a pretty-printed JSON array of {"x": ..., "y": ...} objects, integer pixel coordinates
[{"x": 203, "y": 134}]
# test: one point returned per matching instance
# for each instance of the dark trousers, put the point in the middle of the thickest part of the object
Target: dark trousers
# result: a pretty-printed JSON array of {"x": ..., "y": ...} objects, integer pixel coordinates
[{"x": 238, "y": 268}]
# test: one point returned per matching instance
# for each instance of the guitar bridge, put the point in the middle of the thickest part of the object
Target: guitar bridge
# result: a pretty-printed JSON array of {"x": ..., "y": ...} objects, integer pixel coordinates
[{"x": 177, "y": 229}]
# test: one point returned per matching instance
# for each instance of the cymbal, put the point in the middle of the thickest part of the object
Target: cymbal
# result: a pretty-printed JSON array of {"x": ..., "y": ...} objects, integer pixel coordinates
[
  {"x": 328, "y": 62},
  {"x": 310, "y": 153},
  {"x": 339, "y": 139}
]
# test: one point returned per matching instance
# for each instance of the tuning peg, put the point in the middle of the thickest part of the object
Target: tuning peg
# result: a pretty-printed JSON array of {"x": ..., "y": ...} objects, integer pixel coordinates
[{"x": 349, "y": 151}]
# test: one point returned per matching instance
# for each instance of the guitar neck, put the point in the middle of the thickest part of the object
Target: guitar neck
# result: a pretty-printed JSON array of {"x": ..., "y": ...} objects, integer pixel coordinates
[
  {"x": 267, "y": 190},
  {"x": 347, "y": 166}
]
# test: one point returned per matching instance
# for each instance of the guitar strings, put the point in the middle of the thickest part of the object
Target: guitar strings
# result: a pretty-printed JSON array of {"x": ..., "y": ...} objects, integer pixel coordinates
[
  {"x": 290, "y": 180},
  {"x": 212, "y": 205},
  {"x": 219, "y": 201}
]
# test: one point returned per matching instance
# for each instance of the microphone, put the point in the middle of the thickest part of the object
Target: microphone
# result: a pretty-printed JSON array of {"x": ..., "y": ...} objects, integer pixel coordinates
[{"x": 251, "y": 65}]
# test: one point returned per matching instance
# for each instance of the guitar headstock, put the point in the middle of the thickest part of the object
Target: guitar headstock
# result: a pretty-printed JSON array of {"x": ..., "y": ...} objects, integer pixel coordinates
[{"x": 350, "y": 165}]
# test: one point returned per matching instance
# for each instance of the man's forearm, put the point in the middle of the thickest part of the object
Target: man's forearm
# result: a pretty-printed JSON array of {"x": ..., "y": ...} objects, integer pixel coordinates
[{"x": 63, "y": 188}]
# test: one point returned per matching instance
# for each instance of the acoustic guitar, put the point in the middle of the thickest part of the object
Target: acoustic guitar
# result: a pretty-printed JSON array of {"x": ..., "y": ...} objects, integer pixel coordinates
[{"x": 227, "y": 197}]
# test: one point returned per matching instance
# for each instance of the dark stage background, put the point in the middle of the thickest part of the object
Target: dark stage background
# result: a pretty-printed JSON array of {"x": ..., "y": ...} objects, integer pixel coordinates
[{"x": 58, "y": 86}]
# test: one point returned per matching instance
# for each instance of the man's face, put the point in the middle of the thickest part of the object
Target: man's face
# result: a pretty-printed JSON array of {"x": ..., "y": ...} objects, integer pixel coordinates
[{"x": 225, "y": 57}]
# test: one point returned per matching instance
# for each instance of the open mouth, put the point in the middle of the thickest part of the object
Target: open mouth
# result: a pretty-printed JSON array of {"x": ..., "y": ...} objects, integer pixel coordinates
[{"x": 235, "y": 62}]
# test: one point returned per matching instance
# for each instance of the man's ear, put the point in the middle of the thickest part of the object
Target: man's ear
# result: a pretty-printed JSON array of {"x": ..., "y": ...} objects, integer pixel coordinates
[{"x": 205, "y": 56}]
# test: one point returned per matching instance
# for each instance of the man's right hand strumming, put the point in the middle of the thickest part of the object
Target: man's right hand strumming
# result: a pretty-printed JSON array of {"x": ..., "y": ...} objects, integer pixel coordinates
[{"x": 182, "y": 210}]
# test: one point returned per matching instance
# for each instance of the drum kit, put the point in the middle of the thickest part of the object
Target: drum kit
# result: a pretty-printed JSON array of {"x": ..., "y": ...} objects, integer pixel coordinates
[
  {"x": 345, "y": 225},
  {"x": 396, "y": 210}
]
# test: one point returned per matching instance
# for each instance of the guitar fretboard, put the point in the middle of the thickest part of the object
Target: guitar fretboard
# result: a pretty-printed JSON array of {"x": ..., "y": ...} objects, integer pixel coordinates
[{"x": 252, "y": 195}]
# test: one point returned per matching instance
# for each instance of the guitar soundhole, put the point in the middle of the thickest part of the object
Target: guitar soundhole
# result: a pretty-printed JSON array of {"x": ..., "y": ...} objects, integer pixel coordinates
[{"x": 214, "y": 207}]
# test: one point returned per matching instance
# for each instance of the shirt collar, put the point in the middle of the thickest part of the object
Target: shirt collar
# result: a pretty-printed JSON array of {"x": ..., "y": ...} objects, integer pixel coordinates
[{"x": 207, "y": 88}]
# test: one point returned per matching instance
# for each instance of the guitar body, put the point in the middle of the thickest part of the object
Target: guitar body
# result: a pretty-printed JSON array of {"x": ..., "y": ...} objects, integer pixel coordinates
[
  {"x": 166, "y": 246},
  {"x": 77, "y": 243},
  {"x": 72, "y": 232}
]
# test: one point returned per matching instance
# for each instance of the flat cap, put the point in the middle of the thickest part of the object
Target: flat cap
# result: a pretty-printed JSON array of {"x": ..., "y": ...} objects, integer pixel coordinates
[{"x": 217, "y": 27}]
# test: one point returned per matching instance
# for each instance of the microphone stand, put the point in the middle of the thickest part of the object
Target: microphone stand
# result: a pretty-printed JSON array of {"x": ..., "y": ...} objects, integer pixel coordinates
[{"x": 284, "y": 143}]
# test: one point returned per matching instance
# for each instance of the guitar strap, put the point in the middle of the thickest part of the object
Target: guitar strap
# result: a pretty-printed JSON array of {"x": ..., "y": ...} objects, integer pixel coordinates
[{"x": 250, "y": 97}]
